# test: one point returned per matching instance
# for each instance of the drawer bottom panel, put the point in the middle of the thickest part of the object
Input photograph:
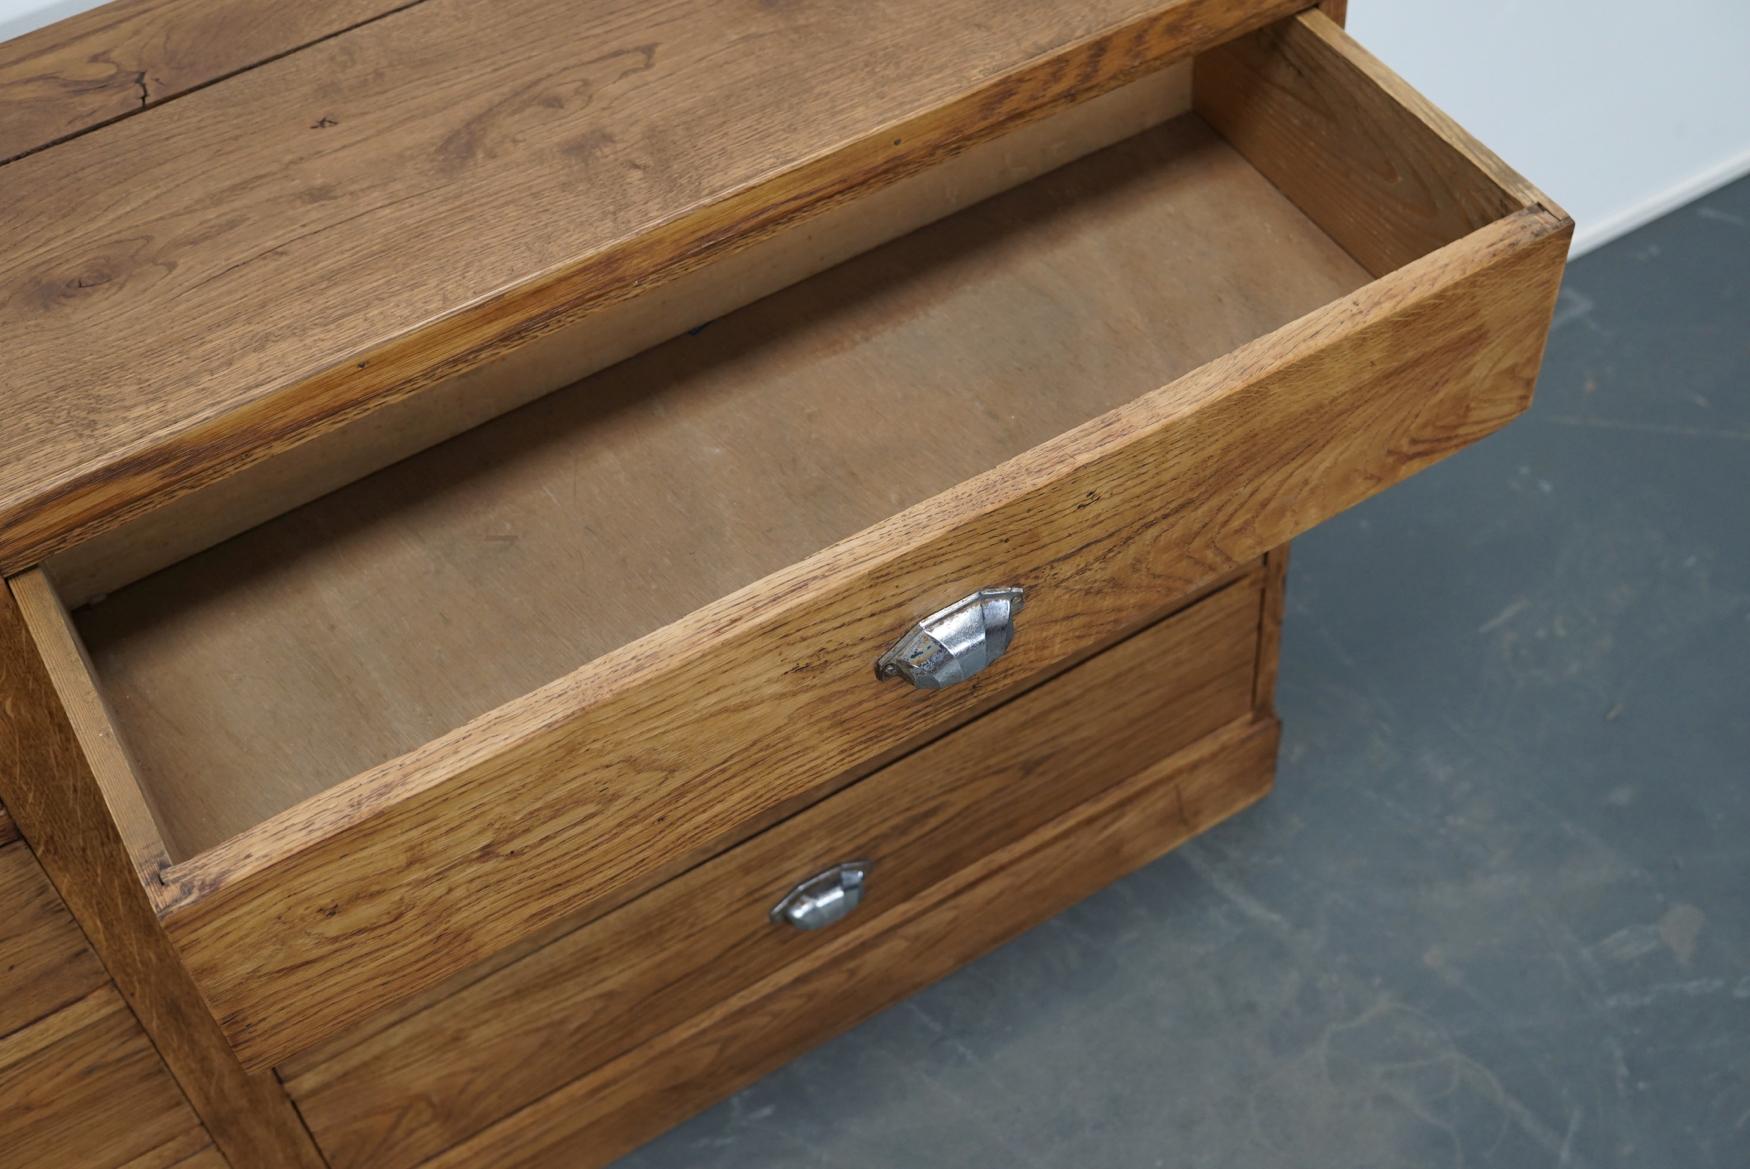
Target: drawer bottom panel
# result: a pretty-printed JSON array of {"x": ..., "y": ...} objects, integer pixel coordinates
[{"x": 623, "y": 1104}]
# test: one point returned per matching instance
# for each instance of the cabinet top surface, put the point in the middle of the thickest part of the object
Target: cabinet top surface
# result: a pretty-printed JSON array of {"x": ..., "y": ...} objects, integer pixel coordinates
[{"x": 349, "y": 222}]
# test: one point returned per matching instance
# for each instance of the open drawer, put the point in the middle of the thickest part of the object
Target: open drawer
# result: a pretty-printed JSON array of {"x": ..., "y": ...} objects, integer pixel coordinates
[{"x": 531, "y": 672}]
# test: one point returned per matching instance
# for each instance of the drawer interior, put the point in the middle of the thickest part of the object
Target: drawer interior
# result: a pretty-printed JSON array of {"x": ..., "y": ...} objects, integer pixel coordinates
[
  {"x": 352, "y": 629},
  {"x": 387, "y": 613}
]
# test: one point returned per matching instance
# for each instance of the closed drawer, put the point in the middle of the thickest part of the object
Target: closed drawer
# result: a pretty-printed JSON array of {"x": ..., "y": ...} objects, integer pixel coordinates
[
  {"x": 395, "y": 1096},
  {"x": 597, "y": 1117},
  {"x": 530, "y": 674}
]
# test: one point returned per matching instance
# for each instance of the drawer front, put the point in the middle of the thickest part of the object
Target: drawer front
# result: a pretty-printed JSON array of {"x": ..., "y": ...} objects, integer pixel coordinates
[
  {"x": 598, "y": 1117},
  {"x": 616, "y": 778},
  {"x": 408, "y": 1091}
]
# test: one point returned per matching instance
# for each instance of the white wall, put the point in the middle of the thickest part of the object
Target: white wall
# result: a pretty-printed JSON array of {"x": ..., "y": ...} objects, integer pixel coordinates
[
  {"x": 1620, "y": 109},
  {"x": 20, "y": 16}
]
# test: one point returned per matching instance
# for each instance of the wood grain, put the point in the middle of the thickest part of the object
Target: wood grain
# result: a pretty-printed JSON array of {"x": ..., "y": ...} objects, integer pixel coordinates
[
  {"x": 330, "y": 1048},
  {"x": 382, "y": 617},
  {"x": 279, "y": 254},
  {"x": 607, "y": 1113},
  {"x": 201, "y": 518},
  {"x": 44, "y": 961},
  {"x": 209, "y": 1158},
  {"x": 1382, "y": 170},
  {"x": 8, "y": 830},
  {"x": 71, "y": 674},
  {"x": 113, "y": 61},
  {"x": 46, "y": 781},
  {"x": 412, "y": 1090},
  {"x": 191, "y": 1150},
  {"x": 84, "y": 1088},
  {"x": 550, "y": 804},
  {"x": 1270, "y": 614}
]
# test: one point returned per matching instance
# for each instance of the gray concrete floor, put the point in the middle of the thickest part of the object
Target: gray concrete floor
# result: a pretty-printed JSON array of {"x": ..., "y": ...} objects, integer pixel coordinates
[{"x": 1497, "y": 912}]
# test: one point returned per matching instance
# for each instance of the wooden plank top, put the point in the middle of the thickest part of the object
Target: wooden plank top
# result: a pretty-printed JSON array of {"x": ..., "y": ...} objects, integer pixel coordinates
[
  {"x": 129, "y": 55},
  {"x": 194, "y": 288}
]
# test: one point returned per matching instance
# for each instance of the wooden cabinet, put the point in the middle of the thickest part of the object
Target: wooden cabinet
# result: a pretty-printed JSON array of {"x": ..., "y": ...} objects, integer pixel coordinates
[{"x": 464, "y": 493}]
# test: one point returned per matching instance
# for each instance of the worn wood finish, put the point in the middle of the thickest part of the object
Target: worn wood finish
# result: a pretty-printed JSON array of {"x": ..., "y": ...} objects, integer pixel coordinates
[
  {"x": 44, "y": 961},
  {"x": 130, "y": 55},
  {"x": 47, "y": 783},
  {"x": 1381, "y": 169},
  {"x": 412, "y": 1090},
  {"x": 83, "y": 1087},
  {"x": 1270, "y": 614},
  {"x": 191, "y": 1150},
  {"x": 295, "y": 1067},
  {"x": 208, "y": 1158},
  {"x": 286, "y": 251},
  {"x": 71, "y": 674},
  {"x": 394, "y": 879},
  {"x": 382, "y": 617},
  {"x": 627, "y": 1102},
  {"x": 200, "y": 519},
  {"x": 8, "y": 830}
]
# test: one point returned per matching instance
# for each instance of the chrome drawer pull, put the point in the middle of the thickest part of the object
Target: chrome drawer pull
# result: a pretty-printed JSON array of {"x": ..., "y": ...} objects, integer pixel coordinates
[
  {"x": 825, "y": 897},
  {"x": 953, "y": 644}
]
